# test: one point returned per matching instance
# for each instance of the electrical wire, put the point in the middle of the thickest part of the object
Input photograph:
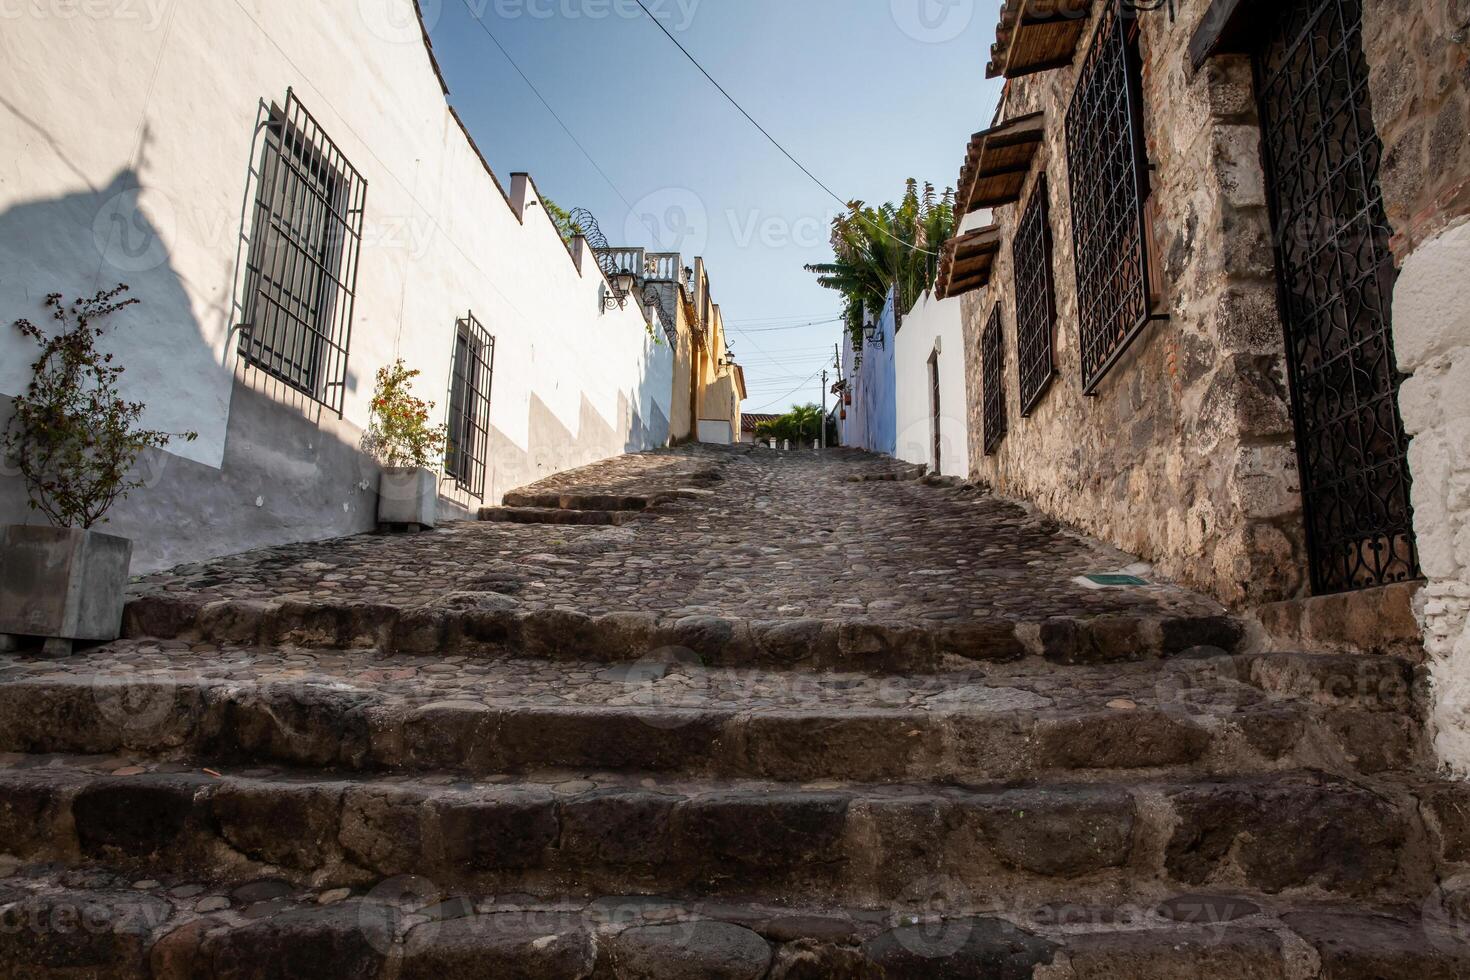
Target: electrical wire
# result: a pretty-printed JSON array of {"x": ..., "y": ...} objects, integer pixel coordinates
[
  {"x": 532, "y": 85},
  {"x": 793, "y": 391},
  {"x": 764, "y": 132}
]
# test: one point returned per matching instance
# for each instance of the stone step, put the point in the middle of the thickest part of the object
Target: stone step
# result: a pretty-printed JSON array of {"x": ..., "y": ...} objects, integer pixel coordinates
[
  {"x": 369, "y": 713},
  {"x": 492, "y": 624},
  {"x": 543, "y": 515},
  {"x": 177, "y": 929},
  {"x": 1298, "y": 834},
  {"x": 578, "y": 501}
]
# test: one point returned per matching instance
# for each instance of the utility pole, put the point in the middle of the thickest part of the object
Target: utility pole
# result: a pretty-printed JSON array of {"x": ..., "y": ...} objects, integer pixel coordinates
[{"x": 824, "y": 408}]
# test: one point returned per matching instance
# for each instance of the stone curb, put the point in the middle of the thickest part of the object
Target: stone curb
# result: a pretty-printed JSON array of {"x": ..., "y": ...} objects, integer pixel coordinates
[
  {"x": 1290, "y": 834},
  {"x": 152, "y": 935},
  {"x": 314, "y": 722},
  {"x": 563, "y": 635}
]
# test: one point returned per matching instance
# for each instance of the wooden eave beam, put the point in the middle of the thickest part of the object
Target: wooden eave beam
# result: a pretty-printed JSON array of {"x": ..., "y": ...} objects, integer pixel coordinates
[
  {"x": 1225, "y": 29},
  {"x": 1022, "y": 131},
  {"x": 1025, "y": 17}
]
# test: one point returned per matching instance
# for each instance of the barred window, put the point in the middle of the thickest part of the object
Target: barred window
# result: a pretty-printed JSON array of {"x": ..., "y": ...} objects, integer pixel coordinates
[
  {"x": 301, "y": 264},
  {"x": 1108, "y": 167},
  {"x": 1036, "y": 305},
  {"x": 992, "y": 370},
  {"x": 468, "y": 440}
]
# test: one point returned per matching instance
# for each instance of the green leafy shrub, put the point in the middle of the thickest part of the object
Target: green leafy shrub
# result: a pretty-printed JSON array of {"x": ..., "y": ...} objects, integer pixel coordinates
[
  {"x": 73, "y": 437},
  {"x": 399, "y": 433}
]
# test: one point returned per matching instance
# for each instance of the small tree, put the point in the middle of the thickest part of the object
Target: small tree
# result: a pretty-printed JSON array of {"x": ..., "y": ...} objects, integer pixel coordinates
[
  {"x": 566, "y": 225},
  {"x": 801, "y": 424},
  {"x": 398, "y": 432},
  {"x": 73, "y": 437}
]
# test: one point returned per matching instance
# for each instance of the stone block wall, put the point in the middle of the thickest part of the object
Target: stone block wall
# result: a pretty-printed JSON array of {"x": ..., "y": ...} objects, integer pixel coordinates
[
  {"x": 1419, "y": 57},
  {"x": 1186, "y": 455}
]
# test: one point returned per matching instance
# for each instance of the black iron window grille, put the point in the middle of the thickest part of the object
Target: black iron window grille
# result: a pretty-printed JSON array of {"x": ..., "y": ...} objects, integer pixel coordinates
[
  {"x": 992, "y": 369},
  {"x": 1336, "y": 283},
  {"x": 467, "y": 445},
  {"x": 1108, "y": 168},
  {"x": 1036, "y": 305},
  {"x": 302, "y": 258}
]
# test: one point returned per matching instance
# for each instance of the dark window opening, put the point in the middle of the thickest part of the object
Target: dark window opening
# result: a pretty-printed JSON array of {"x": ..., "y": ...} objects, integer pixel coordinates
[
  {"x": 467, "y": 444},
  {"x": 992, "y": 369},
  {"x": 301, "y": 265},
  {"x": 1036, "y": 306},
  {"x": 1107, "y": 162},
  {"x": 936, "y": 412}
]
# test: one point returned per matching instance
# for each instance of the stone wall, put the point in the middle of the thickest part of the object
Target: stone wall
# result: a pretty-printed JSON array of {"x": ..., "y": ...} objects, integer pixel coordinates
[
  {"x": 1419, "y": 58},
  {"x": 1186, "y": 455}
]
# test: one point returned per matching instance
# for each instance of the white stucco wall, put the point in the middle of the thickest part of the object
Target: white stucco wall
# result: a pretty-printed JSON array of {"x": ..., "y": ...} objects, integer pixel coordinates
[
  {"x": 1431, "y": 312},
  {"x": 932, "y": 325},
  {"x": 127, "y": 143}
]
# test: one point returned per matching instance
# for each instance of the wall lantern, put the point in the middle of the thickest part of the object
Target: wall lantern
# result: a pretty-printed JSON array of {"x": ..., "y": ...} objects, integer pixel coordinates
[{"x": 622, "y": 284}]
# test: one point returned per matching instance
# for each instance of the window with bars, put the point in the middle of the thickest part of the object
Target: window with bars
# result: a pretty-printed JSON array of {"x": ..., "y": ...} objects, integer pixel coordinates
[
  {"x": 301, "y": 264},
  {"x": 992, "y": 370},
  {"x": 1036, "y": 305},
  {"x": 1108, "y": 167},
  {"x": 466, "y": 447}
]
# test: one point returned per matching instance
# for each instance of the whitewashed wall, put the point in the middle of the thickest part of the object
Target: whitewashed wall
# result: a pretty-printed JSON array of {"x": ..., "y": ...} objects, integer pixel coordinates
[
  {"x": 1431, "y": 314},
  {"x": 127, "y": 135},
  {"x": 933, "y": 325}
]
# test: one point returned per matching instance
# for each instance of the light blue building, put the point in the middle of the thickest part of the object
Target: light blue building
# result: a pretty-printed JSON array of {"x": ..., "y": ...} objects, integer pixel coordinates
[{"x": 872, "y": 381}]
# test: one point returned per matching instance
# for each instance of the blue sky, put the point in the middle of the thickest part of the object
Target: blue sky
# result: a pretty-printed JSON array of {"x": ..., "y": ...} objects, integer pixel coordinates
[{"x": 865, "y": 93}]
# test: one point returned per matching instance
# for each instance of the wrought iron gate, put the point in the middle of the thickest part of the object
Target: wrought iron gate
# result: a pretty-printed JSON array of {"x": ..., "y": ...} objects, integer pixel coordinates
[{"x": 1336, "y": 273}]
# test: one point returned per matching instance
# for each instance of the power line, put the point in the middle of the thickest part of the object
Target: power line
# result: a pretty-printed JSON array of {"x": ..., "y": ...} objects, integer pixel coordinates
[
  {"x": 532, "y": 85},
  {"x": 765, "y": 132},
  {"x": 774, "y": 142},
  {"x": 695, "y": 62},
  {"x": 793, "y": 391}
]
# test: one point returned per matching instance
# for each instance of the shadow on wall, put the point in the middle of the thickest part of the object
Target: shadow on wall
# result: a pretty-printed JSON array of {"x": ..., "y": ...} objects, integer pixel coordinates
[{"x": 282, "y": 476}]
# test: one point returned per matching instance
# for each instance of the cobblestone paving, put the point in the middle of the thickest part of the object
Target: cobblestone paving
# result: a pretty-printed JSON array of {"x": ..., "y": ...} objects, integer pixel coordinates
[
  {"x": 766, "y": 536},
  {"x": 421, "y": 680}
]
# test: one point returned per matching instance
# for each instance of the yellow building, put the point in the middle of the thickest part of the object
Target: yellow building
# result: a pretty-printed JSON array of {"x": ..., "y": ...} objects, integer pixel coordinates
[{"x": 709, "y": 386}]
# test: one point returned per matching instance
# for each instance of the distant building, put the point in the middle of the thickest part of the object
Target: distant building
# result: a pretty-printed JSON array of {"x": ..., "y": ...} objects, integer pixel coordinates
[
  {"x": 709, "y": 386},
  {"x": 749, "y": 423}
]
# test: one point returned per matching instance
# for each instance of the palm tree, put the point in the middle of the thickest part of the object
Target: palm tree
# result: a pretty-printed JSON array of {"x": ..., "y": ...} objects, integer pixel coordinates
[
  {"x": 801, "y": 424},
  {"x": 893, "y": 244}
]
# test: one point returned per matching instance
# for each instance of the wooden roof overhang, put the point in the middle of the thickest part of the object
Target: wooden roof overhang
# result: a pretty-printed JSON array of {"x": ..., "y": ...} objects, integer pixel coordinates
[
  {"x": 1037, "y": 35},
  {"x": 1227, "y": 28},
  {"x": 997, "y": 162},
  {"x": 967, "y": 261}
]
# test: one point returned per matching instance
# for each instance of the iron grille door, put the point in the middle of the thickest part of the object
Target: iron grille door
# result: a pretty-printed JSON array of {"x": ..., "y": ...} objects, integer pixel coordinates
[
  {"x": 301, "y": 266},
  {"x": 992, "y": 354},
  {"x": 936, "y": 412},
  {"x": 468, "y": 440},
  {"x": 1036, "y": 304},
  {"x": 1108, "y": 171},
  {"x": 1336, "y": 274}
]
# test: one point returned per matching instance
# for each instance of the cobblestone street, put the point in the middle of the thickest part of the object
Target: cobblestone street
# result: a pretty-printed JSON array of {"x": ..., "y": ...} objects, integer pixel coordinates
[
  {"x": 759, "y": 535},
  {"x": 794, "y": 716}
]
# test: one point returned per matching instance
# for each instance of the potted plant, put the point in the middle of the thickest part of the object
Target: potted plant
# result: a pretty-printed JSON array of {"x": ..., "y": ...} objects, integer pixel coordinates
[
  {"x": 74, "y": 440},
  {"x": 407, "y": 447}
]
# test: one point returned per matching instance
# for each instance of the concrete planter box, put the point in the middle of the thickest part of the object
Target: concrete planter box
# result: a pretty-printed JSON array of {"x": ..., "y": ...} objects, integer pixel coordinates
[
  {"x": 62, "y": 583},
  {"x": 408, "y": 496}
]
